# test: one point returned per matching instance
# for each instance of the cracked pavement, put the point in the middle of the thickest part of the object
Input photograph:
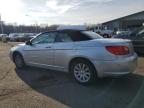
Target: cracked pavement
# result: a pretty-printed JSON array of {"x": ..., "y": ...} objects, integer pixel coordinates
[{"x": 42, "y": 88}]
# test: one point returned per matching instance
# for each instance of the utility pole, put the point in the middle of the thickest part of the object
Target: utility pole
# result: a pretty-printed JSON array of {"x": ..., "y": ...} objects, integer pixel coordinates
[{"x": 1, "y": 24}]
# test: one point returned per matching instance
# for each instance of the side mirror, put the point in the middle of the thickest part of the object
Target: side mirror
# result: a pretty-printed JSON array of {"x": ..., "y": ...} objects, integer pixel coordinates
[{"x": 28, "y": 42}]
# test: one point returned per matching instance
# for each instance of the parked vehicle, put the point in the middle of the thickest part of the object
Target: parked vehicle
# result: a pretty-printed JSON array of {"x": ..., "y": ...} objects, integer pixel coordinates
[
  {"x": 0, "y": 37},
  {"x": 21, "y": 37},
  {"x": 103, "y": 31},
  {"x": 137, "y": 38},
  {"x": 4, "y": 37},
  {"x": 121, "y": 34},
  {"x": 25, "y": 37},
  {"x": 85, "y": 54},
  {"x": 107, "y": 33},
  {"x": 13, "y": 37}
]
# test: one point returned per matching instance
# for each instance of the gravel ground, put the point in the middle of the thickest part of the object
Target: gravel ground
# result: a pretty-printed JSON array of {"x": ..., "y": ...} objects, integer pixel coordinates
[{"x": 41, "y": 88}]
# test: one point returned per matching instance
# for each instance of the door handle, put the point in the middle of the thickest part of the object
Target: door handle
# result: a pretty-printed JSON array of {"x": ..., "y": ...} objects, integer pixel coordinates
[{"x": 48, "y": 47}]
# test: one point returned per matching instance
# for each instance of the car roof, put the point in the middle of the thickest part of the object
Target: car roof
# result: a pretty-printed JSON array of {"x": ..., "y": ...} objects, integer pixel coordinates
[{"x": 66, "y": 30}]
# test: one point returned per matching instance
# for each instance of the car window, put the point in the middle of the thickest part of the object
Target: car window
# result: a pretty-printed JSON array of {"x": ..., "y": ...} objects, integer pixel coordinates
[
  {"x": 63, "y": 37},
  {"x": 77, "y": 36},
  {"x": 84, "y": 36},
  {"x": 44, "y": 38}
]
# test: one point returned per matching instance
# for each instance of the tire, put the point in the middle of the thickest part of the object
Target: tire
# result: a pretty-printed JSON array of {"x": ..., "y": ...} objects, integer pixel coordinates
[
  {"x": 83, "y": 72},
  {"x": 19, "y": 61}
]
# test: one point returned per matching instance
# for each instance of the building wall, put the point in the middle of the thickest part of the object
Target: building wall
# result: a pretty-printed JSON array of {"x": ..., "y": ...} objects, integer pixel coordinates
[
  {"x": 139, "y": 16},
  {"x": 129, "y": 22},
  {"x": 113, "y": 25}
]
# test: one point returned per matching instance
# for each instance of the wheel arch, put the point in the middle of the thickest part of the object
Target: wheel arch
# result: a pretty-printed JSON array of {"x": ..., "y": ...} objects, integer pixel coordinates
[
  {"x": 14, "y": 53},
  {"x": 80, "y": 58}
]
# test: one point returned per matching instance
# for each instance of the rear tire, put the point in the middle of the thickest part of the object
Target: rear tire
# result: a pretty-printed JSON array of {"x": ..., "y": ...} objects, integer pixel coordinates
[
  {"x": 83, "y": 72},
  {"x": 19, "y": 61}
]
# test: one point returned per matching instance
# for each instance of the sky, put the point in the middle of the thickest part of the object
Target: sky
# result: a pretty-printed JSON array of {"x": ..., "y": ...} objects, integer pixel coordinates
[{"x": 73, "y": 12}]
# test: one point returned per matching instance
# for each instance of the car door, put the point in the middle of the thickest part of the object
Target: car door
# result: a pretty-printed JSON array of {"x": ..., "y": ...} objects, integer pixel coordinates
[
  {"x": 41, "y": 51},
  {"x": 63, "y": 49}
]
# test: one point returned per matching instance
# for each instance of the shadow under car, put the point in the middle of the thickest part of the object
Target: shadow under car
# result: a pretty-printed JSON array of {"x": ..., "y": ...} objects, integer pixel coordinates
[{"x": 104, "y": 93}]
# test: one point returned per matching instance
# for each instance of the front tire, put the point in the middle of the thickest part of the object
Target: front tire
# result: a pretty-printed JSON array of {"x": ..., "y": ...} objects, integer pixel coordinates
[
  {"x": 83, "y": 72},
  {"x": 19, "y": 61}
]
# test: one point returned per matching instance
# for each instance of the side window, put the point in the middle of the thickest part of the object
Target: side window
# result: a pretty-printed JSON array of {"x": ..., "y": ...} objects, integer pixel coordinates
[
  {"x": 44, "y": 38},
  {"x": 63, "y": 37}
]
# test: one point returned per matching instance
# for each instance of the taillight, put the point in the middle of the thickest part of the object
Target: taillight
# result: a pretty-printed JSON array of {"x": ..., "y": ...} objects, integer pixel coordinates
[{"x": 118, "y": 50}]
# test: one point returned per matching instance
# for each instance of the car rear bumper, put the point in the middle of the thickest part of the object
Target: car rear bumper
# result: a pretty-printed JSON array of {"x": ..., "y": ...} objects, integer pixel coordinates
[{"x": 118, "y": 67}]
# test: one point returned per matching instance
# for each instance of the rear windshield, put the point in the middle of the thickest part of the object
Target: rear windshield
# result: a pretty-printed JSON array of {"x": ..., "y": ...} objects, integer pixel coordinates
[
  {"x": 84, "y": 36},
  {"x": 91, "y": 35}
]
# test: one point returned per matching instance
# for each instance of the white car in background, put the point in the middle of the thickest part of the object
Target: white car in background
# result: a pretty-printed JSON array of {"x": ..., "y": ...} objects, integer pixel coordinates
[
  {"x": 4, "y": 37},
  {"x": 21, "y": 37}
]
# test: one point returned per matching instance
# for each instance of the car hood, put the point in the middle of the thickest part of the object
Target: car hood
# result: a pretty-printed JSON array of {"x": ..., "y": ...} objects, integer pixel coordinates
[
  {"x": 18, "y": 47},
  {"x": 22, "y": 44}
]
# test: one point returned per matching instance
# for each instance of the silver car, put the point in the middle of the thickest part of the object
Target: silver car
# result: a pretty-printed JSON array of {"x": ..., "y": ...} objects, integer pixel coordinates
[{"x": 85, "y": 54}]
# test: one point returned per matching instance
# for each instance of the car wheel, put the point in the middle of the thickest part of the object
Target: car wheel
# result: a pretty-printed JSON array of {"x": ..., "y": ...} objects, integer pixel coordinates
[
  {"x": 19, "y": 61},
  {"x": 83, "y": 72}
]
